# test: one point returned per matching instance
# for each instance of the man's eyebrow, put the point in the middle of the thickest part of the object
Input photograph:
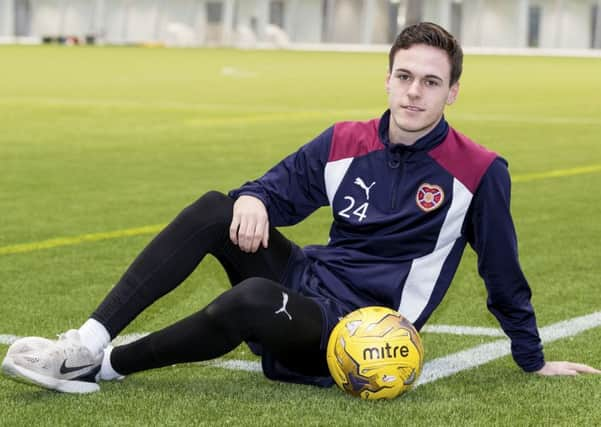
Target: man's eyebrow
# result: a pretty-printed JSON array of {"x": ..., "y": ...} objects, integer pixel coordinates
[
  {"x": 428, "y": 76},
  {"x": 434, "y": 76}
]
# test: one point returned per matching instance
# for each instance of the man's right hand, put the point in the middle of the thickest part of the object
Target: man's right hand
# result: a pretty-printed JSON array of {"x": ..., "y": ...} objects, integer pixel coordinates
[{"x": 250, "y": 224}]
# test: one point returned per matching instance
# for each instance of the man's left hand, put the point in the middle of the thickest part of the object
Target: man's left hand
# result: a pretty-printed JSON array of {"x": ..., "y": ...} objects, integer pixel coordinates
[{"x": 566, "y": 368}]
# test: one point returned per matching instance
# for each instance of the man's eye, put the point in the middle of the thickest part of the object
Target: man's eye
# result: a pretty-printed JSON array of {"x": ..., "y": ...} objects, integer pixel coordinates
[
  {"x": 403, "y": 77},
  {"x": 432, "y": 83}
]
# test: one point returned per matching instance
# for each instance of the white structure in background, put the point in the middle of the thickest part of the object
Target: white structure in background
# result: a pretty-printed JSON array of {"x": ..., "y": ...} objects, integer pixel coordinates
[{"x": 574, "y": 24}]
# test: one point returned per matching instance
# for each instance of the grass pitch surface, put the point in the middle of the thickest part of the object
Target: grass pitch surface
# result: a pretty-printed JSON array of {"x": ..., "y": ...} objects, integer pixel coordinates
[{"x": 95, "y": 140}]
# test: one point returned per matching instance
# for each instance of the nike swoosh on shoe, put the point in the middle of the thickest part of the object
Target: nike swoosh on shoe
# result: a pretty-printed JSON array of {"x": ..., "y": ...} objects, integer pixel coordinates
[{"x": 64, "y": 369}]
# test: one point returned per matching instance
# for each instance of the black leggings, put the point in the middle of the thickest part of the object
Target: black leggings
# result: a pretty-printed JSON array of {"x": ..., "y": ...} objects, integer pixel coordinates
[{"x": 257, "y": 308}]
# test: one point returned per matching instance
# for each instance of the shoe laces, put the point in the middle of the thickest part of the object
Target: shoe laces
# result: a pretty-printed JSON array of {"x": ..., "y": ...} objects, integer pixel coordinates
[{"x": 69, "y": 343}]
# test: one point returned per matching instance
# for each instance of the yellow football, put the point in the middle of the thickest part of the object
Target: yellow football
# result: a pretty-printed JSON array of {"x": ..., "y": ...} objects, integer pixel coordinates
[{"x": 375, "y": 353}]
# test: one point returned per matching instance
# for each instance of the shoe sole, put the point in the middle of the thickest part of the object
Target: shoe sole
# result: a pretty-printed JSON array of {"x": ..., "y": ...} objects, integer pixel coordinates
[{"x": 21, "y": 374}]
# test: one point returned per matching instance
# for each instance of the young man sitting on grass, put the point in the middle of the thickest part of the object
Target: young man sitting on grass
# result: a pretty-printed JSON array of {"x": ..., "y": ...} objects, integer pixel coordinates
[{"x": 407, "y": 192}]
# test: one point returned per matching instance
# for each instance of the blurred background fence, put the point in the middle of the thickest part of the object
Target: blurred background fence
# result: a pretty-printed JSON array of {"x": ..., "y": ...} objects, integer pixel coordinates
[{"x": 515, "y": 24}]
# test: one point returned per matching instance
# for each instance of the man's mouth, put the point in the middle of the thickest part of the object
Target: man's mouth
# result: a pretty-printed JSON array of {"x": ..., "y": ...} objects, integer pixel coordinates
[{"x": 412, "y": 108}]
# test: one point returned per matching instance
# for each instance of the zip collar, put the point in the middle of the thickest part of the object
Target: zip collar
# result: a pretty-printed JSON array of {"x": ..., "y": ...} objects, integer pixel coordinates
[{"x": 425, "y": 143}]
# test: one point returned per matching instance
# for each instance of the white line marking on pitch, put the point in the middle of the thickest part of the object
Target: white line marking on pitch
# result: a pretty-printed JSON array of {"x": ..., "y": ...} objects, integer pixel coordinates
[
  {"x": 463, "y": 330},
  {"x": 434, "y": 329},
  {"x": 481, "y": 354},
  {"x": 236, "y": 365},
  {"x": 435, "y": 369},
  {"x": 8, "y": 339}
]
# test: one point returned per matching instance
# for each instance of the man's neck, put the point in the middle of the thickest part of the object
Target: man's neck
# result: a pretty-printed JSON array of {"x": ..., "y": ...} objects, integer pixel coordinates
[{"x": 400, "y": 136}]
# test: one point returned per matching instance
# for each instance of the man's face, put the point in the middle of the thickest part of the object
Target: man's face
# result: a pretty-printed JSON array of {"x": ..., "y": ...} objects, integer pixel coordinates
[{"x": 418, "y": 90}]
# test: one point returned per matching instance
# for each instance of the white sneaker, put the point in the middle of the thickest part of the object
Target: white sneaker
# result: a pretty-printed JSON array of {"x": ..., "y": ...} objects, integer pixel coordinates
[
  {"x": 27, "y": 344},
  {"x": 63, "y": 365}
]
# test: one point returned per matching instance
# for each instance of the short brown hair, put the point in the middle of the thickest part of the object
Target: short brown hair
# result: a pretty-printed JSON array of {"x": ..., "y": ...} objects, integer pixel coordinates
[{"x": 434, "y": 35}]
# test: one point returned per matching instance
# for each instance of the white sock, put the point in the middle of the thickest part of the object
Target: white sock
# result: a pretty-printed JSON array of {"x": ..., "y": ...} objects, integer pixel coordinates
[
  {"x": 107, "y": 373},
  {"x": 94, "y": 336}
]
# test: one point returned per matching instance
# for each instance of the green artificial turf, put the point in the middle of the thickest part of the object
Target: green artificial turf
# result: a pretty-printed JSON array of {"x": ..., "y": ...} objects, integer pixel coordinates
[{"x": 98, "y": 140}]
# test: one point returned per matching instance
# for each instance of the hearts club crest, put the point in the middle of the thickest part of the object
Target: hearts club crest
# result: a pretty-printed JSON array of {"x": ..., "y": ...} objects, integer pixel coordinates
[{"x": 429, "y": 197}]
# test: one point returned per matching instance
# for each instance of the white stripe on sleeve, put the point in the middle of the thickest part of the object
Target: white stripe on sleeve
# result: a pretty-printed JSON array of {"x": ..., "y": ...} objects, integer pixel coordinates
[{"x": 333, "y": 174}]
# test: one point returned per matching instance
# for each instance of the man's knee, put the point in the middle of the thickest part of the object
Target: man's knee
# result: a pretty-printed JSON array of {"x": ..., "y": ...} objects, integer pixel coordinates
[
  {"x": 213, "y": 207},
  {"x": 245, "y": 300}
]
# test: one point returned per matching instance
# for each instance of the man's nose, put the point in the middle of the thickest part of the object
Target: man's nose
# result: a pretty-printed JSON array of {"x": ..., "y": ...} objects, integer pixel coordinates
[{"x": 415, "y": 89}]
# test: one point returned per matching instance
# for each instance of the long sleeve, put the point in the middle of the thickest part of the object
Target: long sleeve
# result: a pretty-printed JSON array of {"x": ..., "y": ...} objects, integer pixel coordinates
[
  {"x": 294, "y": 187},
  {"x": 492, "y": 234}
]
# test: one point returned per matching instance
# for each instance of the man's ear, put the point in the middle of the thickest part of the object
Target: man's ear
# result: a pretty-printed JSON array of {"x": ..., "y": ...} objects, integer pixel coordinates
[
  {"x": 387, "y": 83},
  {"x": 453, "y": 93}
]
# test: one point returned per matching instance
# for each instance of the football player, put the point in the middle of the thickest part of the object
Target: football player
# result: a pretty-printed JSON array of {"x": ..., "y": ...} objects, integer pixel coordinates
[{"x": 407, "y": 191}]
